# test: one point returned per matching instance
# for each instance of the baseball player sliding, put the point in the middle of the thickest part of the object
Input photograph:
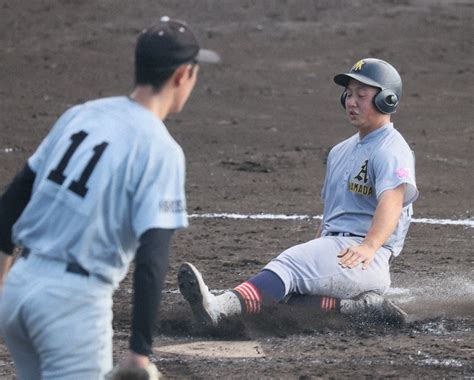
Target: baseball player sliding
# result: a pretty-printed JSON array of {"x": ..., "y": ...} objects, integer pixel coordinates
[
  {"x": 105, "y": 186},
  {"x": 368, "y": 194}
]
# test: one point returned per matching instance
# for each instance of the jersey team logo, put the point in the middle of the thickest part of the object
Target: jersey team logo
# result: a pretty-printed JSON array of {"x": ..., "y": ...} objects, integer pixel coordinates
[
  {"x": 362, "y": 176},
  {"x": 402, "y": 172},
  {"x": 358, "y": 65}
]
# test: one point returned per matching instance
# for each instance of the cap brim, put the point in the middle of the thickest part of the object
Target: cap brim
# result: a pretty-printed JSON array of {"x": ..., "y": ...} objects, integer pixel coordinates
[
  {"x": 343, "y": 80},
  {"x": 207, "y": 56}
]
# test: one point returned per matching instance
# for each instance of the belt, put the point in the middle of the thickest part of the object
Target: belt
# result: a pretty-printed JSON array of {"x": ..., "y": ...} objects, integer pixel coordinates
[
  {"x": 343, "y": 234},
  {"x": 70, "y": 267}
]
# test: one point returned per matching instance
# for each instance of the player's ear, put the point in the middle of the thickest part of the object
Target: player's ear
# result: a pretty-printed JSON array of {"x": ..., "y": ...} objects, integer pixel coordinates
[{"x": 180, "y": 75}]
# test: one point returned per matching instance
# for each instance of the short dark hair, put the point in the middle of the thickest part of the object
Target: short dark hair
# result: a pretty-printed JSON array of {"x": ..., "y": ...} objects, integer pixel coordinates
[{"x": 156, "y": 77}]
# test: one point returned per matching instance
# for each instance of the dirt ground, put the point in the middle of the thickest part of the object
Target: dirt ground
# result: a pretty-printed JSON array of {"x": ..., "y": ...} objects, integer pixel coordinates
[{"x": 256, "y": 133}]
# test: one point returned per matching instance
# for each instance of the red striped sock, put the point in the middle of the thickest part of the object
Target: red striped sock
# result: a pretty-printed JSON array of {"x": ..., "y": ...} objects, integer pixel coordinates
[
  {"x": 328, "y": 303},
  {"x": 324, "y": 303},
  {"x": 250, "y": 297}
]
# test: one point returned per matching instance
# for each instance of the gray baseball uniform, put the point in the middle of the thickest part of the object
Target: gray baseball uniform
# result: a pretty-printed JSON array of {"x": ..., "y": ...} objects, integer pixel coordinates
[
  {"x": 107, "y": 172},
  {"x": 358, "y": 172}
]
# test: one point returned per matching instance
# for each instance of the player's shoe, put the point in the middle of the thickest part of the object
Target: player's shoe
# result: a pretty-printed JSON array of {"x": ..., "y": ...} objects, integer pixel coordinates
[
  {"x": 371, "y": 306},
  {"x": 203, "y": 304}
]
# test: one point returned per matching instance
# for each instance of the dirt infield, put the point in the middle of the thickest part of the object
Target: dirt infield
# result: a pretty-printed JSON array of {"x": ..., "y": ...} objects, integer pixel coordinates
[{"x": 256, "y": 133}]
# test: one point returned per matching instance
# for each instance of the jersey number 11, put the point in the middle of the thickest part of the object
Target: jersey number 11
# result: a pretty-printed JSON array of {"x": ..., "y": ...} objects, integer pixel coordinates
[{"x": 77, "y": 186}]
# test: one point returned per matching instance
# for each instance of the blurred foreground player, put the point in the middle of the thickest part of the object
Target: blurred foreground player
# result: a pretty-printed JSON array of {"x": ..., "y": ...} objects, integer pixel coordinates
[
  {"x": 368, "y": 194},
  {"x": 106, "y": 186}
]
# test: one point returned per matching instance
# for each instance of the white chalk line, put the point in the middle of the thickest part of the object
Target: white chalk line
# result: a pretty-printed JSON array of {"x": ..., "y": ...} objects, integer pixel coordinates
[{"x": 453, "y": 222}]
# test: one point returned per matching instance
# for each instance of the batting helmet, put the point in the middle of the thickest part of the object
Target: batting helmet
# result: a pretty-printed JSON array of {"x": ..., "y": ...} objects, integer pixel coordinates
[{"x": 376, "y": 73}]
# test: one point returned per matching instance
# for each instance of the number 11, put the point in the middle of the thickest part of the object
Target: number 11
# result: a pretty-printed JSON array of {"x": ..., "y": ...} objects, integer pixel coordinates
[{"x": 77, "y": 186}]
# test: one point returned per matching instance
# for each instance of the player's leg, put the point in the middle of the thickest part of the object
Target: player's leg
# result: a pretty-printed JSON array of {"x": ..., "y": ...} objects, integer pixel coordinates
[
  {"x": 25, "y": 358},
  {"x": 65, "y": 317},
  {"x": 296, "y": 270},
  {"x": 263, "y": 289},
  {"x": 304, "y": 263},
  {"x": 75, "y": 340},
  {"x": 368, "y": 306},
  {"x": 310, "y": 269},
  {"x": 22, "y": 351},
  {"x": 313, "y": 268}
]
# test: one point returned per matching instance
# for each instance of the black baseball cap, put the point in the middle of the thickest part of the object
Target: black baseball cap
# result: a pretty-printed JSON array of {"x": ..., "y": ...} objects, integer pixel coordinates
[{"x": 170, "y": 43}]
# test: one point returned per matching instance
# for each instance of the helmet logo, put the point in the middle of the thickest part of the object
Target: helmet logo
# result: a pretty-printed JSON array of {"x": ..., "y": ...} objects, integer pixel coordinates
[{"x": 358, "y": 65}]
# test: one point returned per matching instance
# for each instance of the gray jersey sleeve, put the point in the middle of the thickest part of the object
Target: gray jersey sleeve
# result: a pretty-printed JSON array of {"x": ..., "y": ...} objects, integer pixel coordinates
[
  {"x": 328, "y": 167},
  {"x": 393, "y": 167},
  {"x": 159, "y": 198}
]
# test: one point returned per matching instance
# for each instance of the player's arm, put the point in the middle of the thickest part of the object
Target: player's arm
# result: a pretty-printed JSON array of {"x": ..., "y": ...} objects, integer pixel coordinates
[
  {"x": 324, "y": 191},
  {"x": 151, "y": 265},
  {"x": 384, "y": 222},
  {"x": 12, "y": 203},
  {"x": 5, "y": 264},
  {"x": 319, "y": 230}
]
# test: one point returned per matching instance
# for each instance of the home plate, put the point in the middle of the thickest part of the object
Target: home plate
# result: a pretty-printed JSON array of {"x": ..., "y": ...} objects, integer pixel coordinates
[{"x": 214, "y": 349}]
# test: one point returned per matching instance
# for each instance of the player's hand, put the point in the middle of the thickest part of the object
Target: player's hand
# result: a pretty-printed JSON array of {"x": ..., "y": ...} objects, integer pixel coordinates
[
  {"x": 351, "y": 257},
  {"x": 134, "y": 366},
  {"x": 134, "y": 360}
]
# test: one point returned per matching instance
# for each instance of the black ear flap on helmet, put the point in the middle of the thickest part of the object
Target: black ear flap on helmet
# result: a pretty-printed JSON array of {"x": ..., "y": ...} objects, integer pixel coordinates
[
  {"x": 386, "y": 101},
  {"x": 343, "y": 99}
]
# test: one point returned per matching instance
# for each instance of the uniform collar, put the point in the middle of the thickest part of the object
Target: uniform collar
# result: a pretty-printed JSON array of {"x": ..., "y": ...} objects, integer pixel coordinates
[
  {"x": 376, "y": 134},
  {"x": 143, "y": 109}
]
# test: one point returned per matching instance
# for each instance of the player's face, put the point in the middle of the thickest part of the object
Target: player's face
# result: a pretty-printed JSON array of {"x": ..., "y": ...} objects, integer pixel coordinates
[{"x": 360, "y": 108}]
